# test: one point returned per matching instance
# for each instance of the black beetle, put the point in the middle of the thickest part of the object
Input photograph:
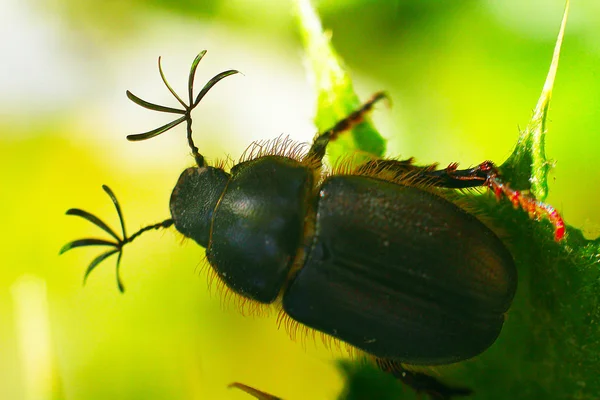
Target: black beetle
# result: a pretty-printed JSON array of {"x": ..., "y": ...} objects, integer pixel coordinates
[{"x": 373, "y": 255}]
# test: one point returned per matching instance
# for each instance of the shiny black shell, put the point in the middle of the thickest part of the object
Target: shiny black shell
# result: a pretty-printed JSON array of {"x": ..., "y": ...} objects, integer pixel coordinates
[
  {"x": 397, "y": 271},
  {"x": 402, "y": 273}
]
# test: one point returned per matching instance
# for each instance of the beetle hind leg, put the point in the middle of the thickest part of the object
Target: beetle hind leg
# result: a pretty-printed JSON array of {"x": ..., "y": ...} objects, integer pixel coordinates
[
  {"x": 485, "y": 174},
  {"x": 421, "y": 382}
]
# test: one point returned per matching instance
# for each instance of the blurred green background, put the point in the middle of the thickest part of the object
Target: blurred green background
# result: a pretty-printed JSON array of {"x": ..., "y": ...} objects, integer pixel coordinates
[{"x": 463, "y": 76}]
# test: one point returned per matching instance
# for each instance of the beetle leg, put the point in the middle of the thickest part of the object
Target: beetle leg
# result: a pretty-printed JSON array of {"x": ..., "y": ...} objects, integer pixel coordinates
[
  {"x": 485, "y": 174},
  {"x": 404, "y": 169},
  {"x": 258, "y": 394},
  {"x": 319, "y": 145},
  {"x": 422, "y": 383}
]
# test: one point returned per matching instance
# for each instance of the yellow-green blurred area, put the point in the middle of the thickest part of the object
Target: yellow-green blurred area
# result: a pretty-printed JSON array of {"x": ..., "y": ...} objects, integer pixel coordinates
[{"x": 463, "y": 76}]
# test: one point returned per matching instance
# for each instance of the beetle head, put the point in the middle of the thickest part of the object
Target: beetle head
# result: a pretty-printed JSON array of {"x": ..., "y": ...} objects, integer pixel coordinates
[{"x": 194, "y": 199}]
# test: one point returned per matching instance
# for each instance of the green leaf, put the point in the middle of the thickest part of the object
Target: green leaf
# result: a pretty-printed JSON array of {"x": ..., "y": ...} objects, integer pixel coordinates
[
  {"x": 335, "y": 93},
  {"x": 365, "y": 381},
  {"x": 527, "y": 165}
]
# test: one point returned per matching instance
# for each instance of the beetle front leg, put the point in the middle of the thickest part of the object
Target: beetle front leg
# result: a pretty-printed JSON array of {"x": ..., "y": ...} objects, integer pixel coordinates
[{"x": 319, "y": 145}]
